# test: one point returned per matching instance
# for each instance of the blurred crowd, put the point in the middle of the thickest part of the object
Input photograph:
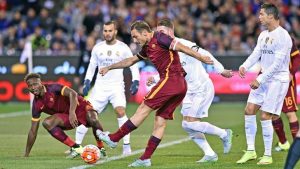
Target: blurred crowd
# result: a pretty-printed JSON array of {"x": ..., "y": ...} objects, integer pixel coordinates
[{"x": 72, "y": 27}]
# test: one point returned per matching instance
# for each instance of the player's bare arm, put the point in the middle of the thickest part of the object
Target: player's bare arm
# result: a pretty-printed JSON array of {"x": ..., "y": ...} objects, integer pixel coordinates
[
  {"x": 73, "y": 104},
  {"x": 182, "y": 48},
  {"x": 31, "y": 137},
  {"x": 122, "y": 64}
]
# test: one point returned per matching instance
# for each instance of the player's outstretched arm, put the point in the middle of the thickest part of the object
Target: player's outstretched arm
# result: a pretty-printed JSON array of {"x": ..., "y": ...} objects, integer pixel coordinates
[
  {"x": 122, "y": 64},
  {"x": 31, "y": 137},
  {"x": 73, "y": 104},
  {"x": 182, "y": 48}
]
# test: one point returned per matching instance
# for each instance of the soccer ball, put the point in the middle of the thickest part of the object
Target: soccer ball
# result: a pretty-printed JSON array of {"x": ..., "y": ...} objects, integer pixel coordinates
[{"x": 90, "y": 154}]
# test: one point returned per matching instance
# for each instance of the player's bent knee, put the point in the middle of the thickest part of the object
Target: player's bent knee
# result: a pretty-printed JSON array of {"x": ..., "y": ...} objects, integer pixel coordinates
[{"x": 47, "y": 124}]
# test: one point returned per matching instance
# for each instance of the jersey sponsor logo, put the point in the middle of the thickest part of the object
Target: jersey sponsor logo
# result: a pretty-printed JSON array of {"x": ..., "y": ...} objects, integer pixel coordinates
[{"x": 265, "y": 51}]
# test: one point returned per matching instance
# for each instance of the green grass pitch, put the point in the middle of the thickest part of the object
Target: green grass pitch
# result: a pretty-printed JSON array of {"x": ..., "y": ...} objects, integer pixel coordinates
[{"x": 48, "y": 153}]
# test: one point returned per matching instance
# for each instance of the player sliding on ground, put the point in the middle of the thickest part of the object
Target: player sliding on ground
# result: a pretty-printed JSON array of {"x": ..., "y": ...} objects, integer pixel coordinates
[{"x": 67, "y": 110}]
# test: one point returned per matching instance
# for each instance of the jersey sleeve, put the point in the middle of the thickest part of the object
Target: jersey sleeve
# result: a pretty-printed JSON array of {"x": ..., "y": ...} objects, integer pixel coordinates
[
  {"x": 57, "y": 89},
  {"x": 36, "y": 110},
  {"x": 92, "y": 65},
  {"x": 217, "y": 65},
  {"x": 166, "y": 41},
  {"x": 255, "y": 55}
]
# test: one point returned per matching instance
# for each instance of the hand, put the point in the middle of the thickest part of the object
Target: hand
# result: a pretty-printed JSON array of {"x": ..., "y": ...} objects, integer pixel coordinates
[
  {"x": 207, "y": 60},
  {"x": 86, "y": 87},
  {"x": 134, "y": 87},
  {"x": 227, "y": 73},
  {"x": 254, "y": 84},
  {"x": 73, "y": 119},
  {"x": 242, "y": 72},
  {"x": 150, "y": 81},
  {"x": 103, "y": 71}
]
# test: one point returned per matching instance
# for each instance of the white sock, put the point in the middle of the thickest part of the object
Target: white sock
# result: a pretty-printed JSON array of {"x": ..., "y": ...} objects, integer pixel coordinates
[
  {"x": 250, "y": 129},
  {"x": 80, "y": 133},
  {"x": 200, "y": 140},
  {"x": 207, "y": 128},
  {"x": 267, "y": 130},
  {"x": 121, "y": 121}
]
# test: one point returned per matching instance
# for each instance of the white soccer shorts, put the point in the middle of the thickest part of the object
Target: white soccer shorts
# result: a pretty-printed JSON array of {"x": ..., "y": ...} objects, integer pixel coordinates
[
  {"x": 100, "y": 97},
  {"x": 269, "y": 96},
  {"x": 196, "y": 104}
]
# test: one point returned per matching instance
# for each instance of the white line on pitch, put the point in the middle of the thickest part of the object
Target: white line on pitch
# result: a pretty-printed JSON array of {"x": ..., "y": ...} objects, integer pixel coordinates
[
  {"x": 113, "y": 158},
  {"x": 14, "y": 114}
]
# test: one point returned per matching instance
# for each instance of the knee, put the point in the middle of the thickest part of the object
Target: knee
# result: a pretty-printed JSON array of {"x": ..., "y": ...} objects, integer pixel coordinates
[
  {"x": 47, "y": 124},
  {"x": 250, "y": 110},
  {"x": 266, "y": 116}
]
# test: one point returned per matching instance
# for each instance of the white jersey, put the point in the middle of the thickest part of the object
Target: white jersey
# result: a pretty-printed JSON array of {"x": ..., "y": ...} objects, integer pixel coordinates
[
  {"x": 105, "y": 55},
  {"x": 196, "y": 73},
  {"x": 273, "y": 52}
]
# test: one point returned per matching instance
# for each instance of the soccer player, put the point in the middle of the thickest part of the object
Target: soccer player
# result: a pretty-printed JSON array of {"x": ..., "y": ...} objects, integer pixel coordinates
[
  {"x": 109, "y": 88},
  {"x": 270, "y": 87},
  {"x": 164, "y": 97},
  {"x": 200, "y": 93},
  {"x": 294, "y": 153},
  {"x": 289, "y": 105},
  {"x": 66, "y": 108}
]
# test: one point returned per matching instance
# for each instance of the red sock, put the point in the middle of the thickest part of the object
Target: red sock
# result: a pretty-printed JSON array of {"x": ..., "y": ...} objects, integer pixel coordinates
[
  {"x": 294, "y": 127},
  {"x": 60, "y": 135},
  {"x": 151, "y": 146},
  {"x": 278, "y": 127},
  {"x": 125, "y": 129},
  {"x": 100, "y": 144}
]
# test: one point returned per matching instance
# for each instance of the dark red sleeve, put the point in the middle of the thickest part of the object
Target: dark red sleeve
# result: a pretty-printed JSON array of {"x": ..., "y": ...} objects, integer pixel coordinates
[
  {"x": 295, "y": 59},
  {"x": 36, "y": 109},
  {"x": 164, "y": 40}
]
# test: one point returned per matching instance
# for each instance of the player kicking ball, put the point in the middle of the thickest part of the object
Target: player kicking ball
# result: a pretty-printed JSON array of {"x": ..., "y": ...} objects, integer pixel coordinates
[{"x": 66, "y": 108}]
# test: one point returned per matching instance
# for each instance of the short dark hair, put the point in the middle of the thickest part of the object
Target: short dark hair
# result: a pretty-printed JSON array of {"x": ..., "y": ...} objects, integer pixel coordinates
[
  {"x": 140, "y": 25},
  {"x": 271, "y": 9},
  {"x": 32, "y": 75},
  {"x": 110, "y": 23},
  {"x": 166, "y": 22}
]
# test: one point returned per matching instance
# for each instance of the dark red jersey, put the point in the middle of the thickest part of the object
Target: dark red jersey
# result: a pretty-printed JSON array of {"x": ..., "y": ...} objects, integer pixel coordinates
[
  {"x": 295, "y": 58},
  {"x": 159, "y": 51},
  {"x": 54, "y": 102}
]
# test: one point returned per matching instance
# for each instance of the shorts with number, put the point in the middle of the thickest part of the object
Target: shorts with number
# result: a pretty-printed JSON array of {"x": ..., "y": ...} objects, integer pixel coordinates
[
  {"x": 290, "y": 100},
  {"x": 100, "y": 97},
  {"x": 166, "y": 95},
  {"x": 196, "y": 104},
  {"x": 269, "y": 96}
]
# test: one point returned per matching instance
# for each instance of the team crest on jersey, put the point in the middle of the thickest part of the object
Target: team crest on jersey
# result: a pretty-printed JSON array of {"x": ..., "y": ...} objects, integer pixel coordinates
[
  {"x": 109, "y": 52},
  {"x": 118, "y": 53},
  {"x": 153, "y": 45}
]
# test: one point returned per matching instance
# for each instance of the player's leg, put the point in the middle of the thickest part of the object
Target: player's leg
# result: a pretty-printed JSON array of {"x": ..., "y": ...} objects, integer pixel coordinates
[
  {"x": 55, "y": 124},
  {"x": 118, "y": 100},
  {"x": 271, "y": 109},
  {"x": 137, "y": 119},
  {"x": 294, "y": 153},
  {"x": 200, "y": 139},
  {"x": 294, "y": 124},
  {"x": 250, "y": 130},
  {"x": 98, "y": 101}
]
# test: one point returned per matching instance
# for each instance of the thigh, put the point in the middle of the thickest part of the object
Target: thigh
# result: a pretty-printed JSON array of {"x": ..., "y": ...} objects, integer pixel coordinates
[
  {"x": 273, "y": 101},
  {"x": 99, "y": 98},
  {"x": 66, "y": 125},
  {"x": 117, "y": 98}
]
